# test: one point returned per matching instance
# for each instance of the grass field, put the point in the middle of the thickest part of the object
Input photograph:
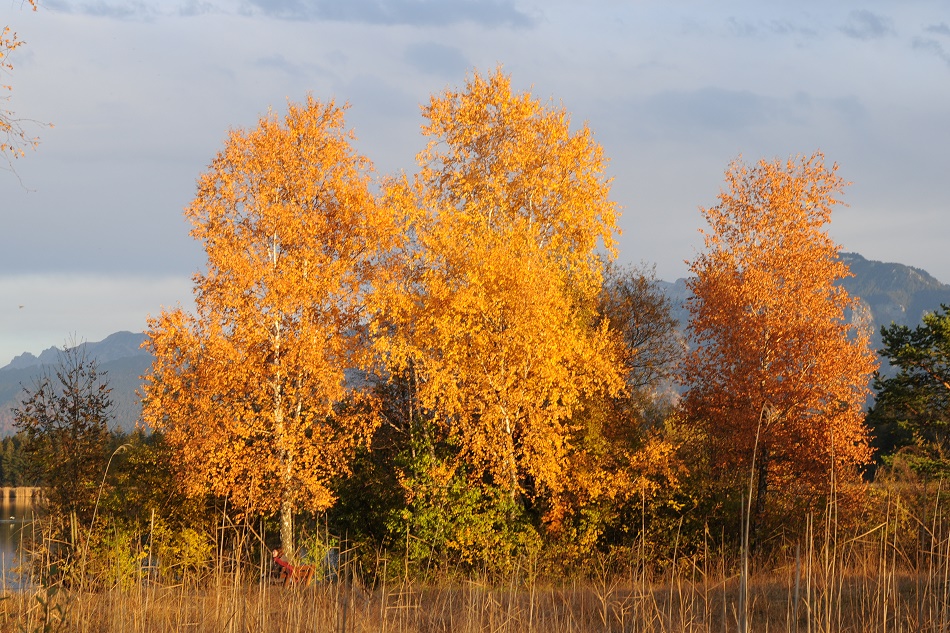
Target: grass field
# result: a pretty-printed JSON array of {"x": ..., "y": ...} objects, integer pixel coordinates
[
  {"x": 887, "y": 572},
  {"x": 870, "y": 582}
]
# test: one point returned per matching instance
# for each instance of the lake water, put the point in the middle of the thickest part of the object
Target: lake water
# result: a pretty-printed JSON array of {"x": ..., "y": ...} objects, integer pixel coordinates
[{"x": 16, "y": 520}]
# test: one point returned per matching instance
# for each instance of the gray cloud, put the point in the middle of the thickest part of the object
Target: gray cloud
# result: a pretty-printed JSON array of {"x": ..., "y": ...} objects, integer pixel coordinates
[
  {"x": 113, "y": 10},
  {"x": 191, "y": 8},
  {"x": 371, "y": 93},
  {"x": 488, "y": 13},
  {"x": 933, "y": 47},
  {"x": 743, "y": 28},
  {"x": 709, "y": 109},
  {"x": 307, "y": 71},
  {"x": 437, "y": 59},
  {"x": 688, "y": 115},
  {"x": 768, "y": 28},
  {"x": 865, "y": 25},
  {"x": 126, "y": 9},
  {"x": 848, "y": 108},
  {"x": 939, "y": 29},
  {"x": 102, "y": 9},
  {"x": 281, "y": 63},
  {"x": 58, "y": 5}
]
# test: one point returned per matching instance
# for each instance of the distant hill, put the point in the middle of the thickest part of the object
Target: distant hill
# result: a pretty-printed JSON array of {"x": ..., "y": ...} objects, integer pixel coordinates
[
  {"x": 120, "y": 357},
  {"x": 889, "y": 292},
  {"x": 894, "y": 293},
  {"x": 113, "y": 347}
]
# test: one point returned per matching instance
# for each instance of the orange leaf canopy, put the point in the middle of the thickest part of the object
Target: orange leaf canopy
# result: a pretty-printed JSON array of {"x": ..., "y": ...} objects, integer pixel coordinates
[
  {"x": 774, "y": 355},
  {"x": 508, "y": 213},
  {"x": 250, "y": 390}
]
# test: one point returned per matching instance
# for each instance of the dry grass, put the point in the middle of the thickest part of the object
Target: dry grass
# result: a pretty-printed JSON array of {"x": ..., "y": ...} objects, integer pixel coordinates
[
  {"x": 860, "y": 587},
  {"x": 890, "y": 577}
]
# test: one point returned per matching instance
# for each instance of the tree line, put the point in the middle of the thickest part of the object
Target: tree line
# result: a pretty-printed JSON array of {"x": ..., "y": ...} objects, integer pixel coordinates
[{"x": 451, "y": 367}]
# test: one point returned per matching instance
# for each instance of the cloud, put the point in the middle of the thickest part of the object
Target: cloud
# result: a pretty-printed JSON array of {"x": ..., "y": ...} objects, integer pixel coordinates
[
  {"x": 708, "y": 109},
  {"x": 939, "y": 29},
  {"x": 128, "y": 9},
  {"x": 59, "y": 6},
  {"x": 305, "y": 71},
  {"x": 743, "y": 28},
  {"x": 371, "y": 93},
  {"x": 281, "y": 63},
  {"x": 849, "y": 108},
  {"x": 437, "y": 59},
  {"x": 768, "y": 28},
  {"x": 739, "y": 114},
  {"x": 785, "y": 27},
  {"x": 931, "y": 46},
  {"x": 487, "y": 13},
  {"x": 865, "y": 25},
  {"x": 114, "y": 10},
  {"x": 191, "y": 8}
]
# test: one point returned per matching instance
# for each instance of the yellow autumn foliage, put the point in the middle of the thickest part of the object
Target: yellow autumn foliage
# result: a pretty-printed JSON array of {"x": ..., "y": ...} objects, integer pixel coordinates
[
  {"x": 511, "y": 221},
  {"x": 251, "y": 391}
]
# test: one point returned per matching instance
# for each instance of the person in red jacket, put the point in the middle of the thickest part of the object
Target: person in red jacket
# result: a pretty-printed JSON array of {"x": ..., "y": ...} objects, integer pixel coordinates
[{"x": 290, "y": 574}]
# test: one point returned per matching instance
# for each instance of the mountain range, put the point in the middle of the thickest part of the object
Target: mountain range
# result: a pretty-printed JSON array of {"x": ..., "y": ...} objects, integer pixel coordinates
[
  {"x": 120, "y": 356},
  {"x": 888, "y": 293}
]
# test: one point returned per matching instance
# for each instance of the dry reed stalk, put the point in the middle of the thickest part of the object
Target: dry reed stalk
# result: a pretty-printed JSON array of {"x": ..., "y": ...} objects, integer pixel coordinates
[{"x": 887, "y": 578}]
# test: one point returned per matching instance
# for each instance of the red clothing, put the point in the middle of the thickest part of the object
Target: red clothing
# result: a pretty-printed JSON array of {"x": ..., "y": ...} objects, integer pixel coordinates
[
  {"x": 290, "y": 574},
  {"x": 284, "y": 564}
]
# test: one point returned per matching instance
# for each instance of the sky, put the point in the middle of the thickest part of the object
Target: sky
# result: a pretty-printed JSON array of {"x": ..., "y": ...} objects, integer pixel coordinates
[{"x": 141, "y": 95}]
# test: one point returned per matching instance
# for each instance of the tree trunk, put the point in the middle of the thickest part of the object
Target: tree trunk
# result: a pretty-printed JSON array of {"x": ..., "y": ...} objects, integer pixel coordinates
[
  {"x": 287, "y": 531},
  {"x": 761, "y": 491},
  {"x": 512, "y": 463}
]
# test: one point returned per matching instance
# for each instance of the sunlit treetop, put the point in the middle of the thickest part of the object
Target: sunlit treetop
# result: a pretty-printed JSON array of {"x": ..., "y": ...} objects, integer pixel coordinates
[{"x": 502, "y": 161}]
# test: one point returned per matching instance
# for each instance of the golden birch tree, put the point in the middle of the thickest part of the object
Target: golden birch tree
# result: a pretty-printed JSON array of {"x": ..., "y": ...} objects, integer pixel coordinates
[
  {"x": 251, "y": 391},
  {"x": 777, "y": 377},
  {"x": 511, "y": 219}
]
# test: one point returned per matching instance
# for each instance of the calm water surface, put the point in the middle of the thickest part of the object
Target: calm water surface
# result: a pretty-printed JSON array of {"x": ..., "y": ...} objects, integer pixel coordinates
[{"x": 16, "y": 521}]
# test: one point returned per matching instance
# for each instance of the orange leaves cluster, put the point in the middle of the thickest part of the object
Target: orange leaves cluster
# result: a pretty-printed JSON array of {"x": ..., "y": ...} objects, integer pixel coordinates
[
  {"x": 483, "y": 279},
  {"x": 495, "y": 308},
  {"x": 776, "y": 363},
  {"x": 252, "y": 390},
  {"x": 504, "y": 162}
]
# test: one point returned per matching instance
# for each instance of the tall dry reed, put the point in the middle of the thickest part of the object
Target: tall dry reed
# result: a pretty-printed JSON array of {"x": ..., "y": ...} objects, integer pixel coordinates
[{"x": 889, "y": 577}]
